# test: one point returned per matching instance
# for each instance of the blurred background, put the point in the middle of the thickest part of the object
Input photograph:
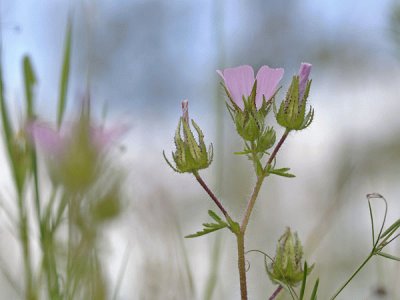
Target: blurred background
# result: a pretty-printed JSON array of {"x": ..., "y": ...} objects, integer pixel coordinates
[{"x": 139, "y": 59}]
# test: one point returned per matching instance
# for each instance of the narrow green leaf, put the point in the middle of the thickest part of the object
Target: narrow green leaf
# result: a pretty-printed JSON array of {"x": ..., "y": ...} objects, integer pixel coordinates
[
  {"x": 9, "y": 134},
  {"x": 207, "y": 230},
  {"x": 64, "y": 74},
  {"x": 242, "y": 152},
  {"x": 303, "y": 284},
  {"x": 30, "y": 81},
  {"x": 215, "y": 217},
  {"x": 4, "y": 113},
  {"x": 282, "y": 172},
  {"x": 210, "y": 227},
  {"x": 392, "y": 228},
  {"x": 315, "y": 289},
  {"x": 372, "y": 222},
  {"x": 389, "y": 256}
]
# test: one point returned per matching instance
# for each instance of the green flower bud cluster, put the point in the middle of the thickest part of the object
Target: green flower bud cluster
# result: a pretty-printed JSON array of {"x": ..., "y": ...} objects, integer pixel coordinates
[
  {"x": 287, "y": 267},
  {"x": 250, "y": 122},
  {"x": 292, "y": 111},
  {"x": 190, "y": 155}
]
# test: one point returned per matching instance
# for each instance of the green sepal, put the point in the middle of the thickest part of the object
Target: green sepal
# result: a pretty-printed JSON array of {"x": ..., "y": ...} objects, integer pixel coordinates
[
  {"x": 244, "y": 152},
  {"x": 292, "y": 111},
  {"x": 250, "y": 104},
  {"x": 191, "y": 142},
  {"x": 287, "y": 265},
  {"x": 210, "y": 227},
  {"x": 266, "y": 140},
  {"x": 169, "y": 163},
  {"x": 235, "y": 106},
  {"x": 190, "y": 155},
  {"x": 247, "y": 125}
]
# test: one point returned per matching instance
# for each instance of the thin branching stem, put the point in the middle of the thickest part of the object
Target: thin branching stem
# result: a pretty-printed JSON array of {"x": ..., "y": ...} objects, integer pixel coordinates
[
  {"x": 352, "y": 276},
  {"x": 276, "y": 292},
  {"x": 211, "y": 194},
  {"x": 240, "y": 236},
  {"x": 259, "y": 182}
]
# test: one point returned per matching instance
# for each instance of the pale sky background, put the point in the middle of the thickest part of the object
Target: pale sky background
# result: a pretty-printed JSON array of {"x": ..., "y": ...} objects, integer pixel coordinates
[{"x": 144, "y": 57}]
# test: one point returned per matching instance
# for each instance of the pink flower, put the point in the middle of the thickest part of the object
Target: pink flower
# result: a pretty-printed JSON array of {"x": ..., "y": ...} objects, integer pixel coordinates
[
  {"x": 55, "y": 143},
  {"x": 239, "y": 82},
  {"x": 304, "y": 72}
]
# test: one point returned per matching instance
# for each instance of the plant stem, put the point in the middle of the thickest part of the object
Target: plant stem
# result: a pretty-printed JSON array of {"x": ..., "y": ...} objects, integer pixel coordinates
[
  {"x": 259, "y": 182},
  {"x": 240, "y": 236},
  {"x": 251, "y": 203},
  {"x": 211, "y": 194},
  {"x": 276, "y": 292},
  {"x": 352, "y": 276},
  {"x": 278, "y": 146},
  {"x": 241, "y": 265},
  {"x": 24, "y": 236}
]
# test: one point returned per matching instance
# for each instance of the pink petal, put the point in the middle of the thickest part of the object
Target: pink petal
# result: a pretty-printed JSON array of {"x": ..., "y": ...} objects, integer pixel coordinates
[
  {"x": 47, "y": 138},
  {"x": 185, "y": 110},
  {"x": 267, "y": 83},
  {"x": 304, "y": 72},
  {"x": 239, "y": 81},
  {"x": 101, "y": 138}
]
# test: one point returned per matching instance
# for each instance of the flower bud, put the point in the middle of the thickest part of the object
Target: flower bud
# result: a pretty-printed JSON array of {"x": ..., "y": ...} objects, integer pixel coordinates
[
  {"x": 247, "y": 126},
  {"x": 287, "y": 267},
  {"x": 292, "y": 111},
  {"x": 266, "y": 140},
  {"x": 190, "y": 155}
]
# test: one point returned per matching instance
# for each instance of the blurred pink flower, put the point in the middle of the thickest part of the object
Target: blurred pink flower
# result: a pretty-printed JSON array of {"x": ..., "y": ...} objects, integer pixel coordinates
[
  {"x": 239, "y": 82},
  {"x": 304, "y": 73},
  {"x": 56, "y": 143}
]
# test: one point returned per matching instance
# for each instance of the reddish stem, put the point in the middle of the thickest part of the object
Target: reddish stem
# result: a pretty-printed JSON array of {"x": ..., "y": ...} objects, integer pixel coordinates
[
  {"x": 211, "y": 194},
  {"x": 276, "y": 292}
]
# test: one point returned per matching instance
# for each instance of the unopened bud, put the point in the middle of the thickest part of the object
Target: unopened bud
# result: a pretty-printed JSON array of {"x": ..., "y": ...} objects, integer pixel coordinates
[
  {"x": 287, "y": 267},
  {"x": 292, "y": 111},
  {"x": 190, "y": 155}
]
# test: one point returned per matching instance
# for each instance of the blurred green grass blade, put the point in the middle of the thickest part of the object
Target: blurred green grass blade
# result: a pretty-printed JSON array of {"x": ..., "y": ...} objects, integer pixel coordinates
[
  {"x": 303, "y": 284},
  {"x": 185, "y": 255},
  {"x": 315, "y": 289},
  {"x": 4, "y": 113},
  {"x": 215, "y": 263},
  {"x": 30, "y": 81},
  {"x": 391, "y": 229},
  {"x": 62, "y": 100},
  {"x": 8, "y": 133}
]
